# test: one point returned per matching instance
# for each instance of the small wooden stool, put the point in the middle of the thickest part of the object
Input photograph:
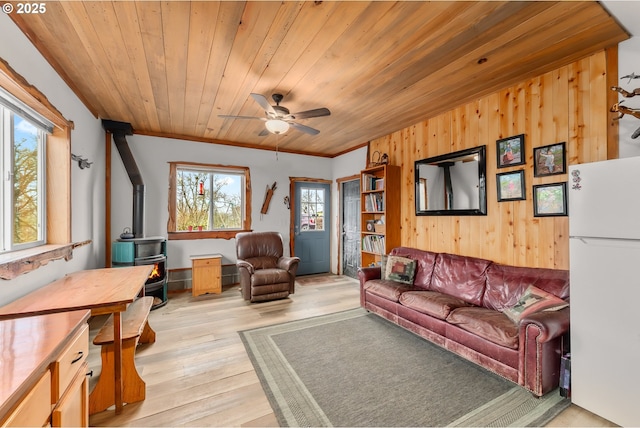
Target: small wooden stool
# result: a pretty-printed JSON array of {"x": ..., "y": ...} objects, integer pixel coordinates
[{"x": 135, "y": 329}]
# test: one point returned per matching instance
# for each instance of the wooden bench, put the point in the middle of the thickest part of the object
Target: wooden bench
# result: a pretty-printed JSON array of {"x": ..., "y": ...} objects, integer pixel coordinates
[{"x": 135, "y": 329}]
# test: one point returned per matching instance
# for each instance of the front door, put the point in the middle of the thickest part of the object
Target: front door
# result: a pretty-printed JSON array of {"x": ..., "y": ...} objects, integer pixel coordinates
[
  {"x": 312, "y": 229},
  {"x": 350, "y": 222}
]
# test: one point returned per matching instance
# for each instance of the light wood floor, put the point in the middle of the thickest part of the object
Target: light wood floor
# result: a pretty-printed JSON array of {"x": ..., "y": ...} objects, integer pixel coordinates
[{"x": 198, "y": 372}]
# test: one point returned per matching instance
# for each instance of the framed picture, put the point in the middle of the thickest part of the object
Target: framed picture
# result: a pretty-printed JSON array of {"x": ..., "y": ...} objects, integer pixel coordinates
[
  {"x": 511, "y": 186},
  {"x": 549, "y": 160},
  {"x": 510, "y": 151},
  {"x": 550, "y": 199}
]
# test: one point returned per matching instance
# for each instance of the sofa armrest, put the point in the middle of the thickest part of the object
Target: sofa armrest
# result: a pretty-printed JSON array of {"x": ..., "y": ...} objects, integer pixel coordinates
[
  {"x": 551, "y": 324},
  {"x": 241, "y": 264},
  {"x": 541, "y": 336},
  {"x": 367, "y": 273}
]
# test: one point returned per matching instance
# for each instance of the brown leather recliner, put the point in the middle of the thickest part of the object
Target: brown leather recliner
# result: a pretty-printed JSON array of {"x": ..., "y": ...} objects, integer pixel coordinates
[{"x": 264, "y": 273}]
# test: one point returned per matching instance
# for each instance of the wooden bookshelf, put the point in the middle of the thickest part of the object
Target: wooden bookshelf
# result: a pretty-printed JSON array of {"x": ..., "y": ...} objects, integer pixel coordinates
[{"x": 379, "y": 212}]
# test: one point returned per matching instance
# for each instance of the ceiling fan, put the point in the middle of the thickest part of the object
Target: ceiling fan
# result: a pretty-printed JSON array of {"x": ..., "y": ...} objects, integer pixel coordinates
[{"x": 278, "y": 119}]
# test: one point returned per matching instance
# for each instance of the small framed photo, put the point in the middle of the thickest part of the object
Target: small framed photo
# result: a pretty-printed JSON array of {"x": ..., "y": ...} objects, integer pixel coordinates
[
  {"x": 550, "y": 200},
  {"x": 510, "y": 151},
  {"x": 511, "y": 186},
  {"x": 549, "y": 160}
]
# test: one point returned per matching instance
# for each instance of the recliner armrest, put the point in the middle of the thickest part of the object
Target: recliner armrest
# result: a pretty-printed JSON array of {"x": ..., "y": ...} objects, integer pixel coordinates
[
  {"x": 287, "y": 263},
  {"x": 246, "y": 265}
]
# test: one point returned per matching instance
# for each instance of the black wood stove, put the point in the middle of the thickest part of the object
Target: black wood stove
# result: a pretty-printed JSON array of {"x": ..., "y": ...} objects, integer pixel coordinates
[{"x": 134, "y": 249}]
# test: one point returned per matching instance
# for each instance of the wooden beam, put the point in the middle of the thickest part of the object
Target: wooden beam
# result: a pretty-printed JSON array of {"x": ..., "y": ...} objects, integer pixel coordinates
[{"x": 107, "y": 200}]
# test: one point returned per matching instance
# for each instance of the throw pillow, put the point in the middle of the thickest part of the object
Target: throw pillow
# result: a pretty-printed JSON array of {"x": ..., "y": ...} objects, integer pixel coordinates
[
  {"x": 534, "y": 300},
  {"x": 400, "y": 269},
  {"x": 383, "y": 264}
]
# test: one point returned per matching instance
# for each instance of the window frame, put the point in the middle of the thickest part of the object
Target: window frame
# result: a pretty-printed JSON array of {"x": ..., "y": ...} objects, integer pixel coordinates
[
  {"x": 174, "y": 234},
  {"x": 58, "y": 182},
  {"x": 7, "y": 128}
]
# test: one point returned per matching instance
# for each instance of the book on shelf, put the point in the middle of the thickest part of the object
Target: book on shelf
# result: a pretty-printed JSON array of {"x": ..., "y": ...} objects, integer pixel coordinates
[
  {"x": 373, "y": 202},
  {"x": 373, "y": 244},
  {"x": 371, "y": 182}
]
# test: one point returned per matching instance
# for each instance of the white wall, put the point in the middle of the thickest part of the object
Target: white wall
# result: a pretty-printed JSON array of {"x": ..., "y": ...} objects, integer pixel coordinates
[
  {"x": 152, "y": 155},
  {"x": 87, "y": 188}
]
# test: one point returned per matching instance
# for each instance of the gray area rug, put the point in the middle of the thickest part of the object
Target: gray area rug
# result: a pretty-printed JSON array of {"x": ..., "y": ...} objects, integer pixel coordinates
[{"x": 353, "y": 368}]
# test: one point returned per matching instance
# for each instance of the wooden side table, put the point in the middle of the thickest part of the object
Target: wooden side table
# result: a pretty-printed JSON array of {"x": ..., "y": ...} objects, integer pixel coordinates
[{"x": 206, "y": 274}]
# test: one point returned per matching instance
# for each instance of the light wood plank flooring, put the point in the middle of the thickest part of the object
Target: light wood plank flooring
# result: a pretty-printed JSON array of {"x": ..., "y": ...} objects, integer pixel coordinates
[{"x": 198, "y": 372}]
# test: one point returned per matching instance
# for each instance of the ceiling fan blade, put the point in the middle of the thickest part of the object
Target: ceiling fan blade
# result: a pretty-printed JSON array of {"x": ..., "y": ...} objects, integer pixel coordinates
[
  {"x": 264, "y": 103},
  {"x": 226, "y": 116},
  {"x": 305, "y": 129},
  {"x": 312, "y": 113},
  {"x": 264, "y": 133}
]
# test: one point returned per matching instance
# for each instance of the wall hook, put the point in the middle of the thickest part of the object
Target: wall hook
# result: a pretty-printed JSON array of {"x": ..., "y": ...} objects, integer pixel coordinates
[{"x": 82, "y": 163}]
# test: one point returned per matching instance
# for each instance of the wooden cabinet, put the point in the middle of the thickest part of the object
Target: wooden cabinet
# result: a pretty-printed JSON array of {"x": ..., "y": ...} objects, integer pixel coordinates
[
  {"x": 34, "y": 408},
  {"x": 380, "y": 212},
  {"x": 72, "y": 409},
  {"x": 43, "y": 376},
  {"x": 70, "y": 386},
  {"x": 206, "y": 274}
]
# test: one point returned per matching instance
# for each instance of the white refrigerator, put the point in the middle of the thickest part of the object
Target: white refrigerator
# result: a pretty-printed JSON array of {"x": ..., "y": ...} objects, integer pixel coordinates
[{"x": 604, "y": 230}]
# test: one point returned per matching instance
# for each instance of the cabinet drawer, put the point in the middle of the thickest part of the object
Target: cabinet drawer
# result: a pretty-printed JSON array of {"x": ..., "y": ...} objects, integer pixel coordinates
[
  {"x": 69, "y": 362},
  {"x": 35, "y": 408},
  {"x": 206, "y": 262}
]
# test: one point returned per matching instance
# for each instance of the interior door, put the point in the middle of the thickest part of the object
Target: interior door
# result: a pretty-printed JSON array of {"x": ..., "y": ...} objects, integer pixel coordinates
[
  {"x": 350, "y": 223},
  {"x": 312, "y": 230}
]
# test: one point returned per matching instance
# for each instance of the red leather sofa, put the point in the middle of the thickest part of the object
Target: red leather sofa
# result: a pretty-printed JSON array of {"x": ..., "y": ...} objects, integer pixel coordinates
[{"x": 457, "y": 302}]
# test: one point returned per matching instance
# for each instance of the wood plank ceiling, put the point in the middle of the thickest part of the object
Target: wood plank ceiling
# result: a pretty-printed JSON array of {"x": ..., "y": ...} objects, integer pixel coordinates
[{"x": 170, "y": 68}]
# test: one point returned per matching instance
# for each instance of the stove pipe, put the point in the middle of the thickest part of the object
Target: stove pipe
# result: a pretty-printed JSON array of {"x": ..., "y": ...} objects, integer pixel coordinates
[{"x": 119, "y": 130}]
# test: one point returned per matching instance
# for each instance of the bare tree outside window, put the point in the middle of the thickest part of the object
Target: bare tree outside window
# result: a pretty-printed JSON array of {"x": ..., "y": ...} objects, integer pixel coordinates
[
  {"x": 209, "y": 199},
  {"x": 26, "y": 176}
]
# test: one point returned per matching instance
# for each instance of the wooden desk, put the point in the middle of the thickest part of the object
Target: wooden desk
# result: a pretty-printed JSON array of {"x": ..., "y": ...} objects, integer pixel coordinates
[{"x": 104, "y": 291}]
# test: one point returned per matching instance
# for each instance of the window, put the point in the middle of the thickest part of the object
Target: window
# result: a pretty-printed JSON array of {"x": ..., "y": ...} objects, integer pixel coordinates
[
  {"x": 311, "y": 209},
  {"x": 22, "y": 193},
  {"x": 208, "y": 201},
  {"x": 54, "y": 191}
]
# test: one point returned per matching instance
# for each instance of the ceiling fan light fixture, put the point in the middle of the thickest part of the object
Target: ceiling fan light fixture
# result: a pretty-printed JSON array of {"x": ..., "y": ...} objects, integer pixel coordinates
[{"x": 277, "y": 126}]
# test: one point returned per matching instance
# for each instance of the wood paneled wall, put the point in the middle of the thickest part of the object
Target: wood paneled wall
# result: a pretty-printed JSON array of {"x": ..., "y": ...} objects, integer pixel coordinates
[{"x": 569, "y": 104}]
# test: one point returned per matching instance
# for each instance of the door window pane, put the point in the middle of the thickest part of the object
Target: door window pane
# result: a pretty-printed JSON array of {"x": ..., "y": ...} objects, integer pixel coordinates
[{"x": 311, "y": 209}]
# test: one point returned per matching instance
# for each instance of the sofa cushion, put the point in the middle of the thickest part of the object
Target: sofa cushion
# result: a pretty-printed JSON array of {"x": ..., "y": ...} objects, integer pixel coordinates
[
  {"x": 534, "y": 300},
  {"x": 431, "y": 303},
  {"x": 425, "y": 262},
  {"x": 491, "y": 325},
  {"x": 400, "y": 269},
  {"x": 460, "y": 276},
  {"x": 505, "y": 284},
  {"x": 390, "y": 290}
]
